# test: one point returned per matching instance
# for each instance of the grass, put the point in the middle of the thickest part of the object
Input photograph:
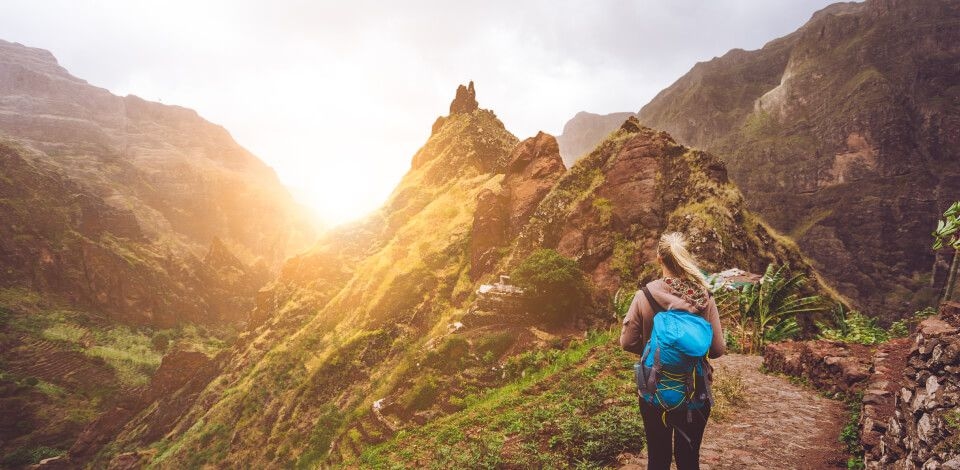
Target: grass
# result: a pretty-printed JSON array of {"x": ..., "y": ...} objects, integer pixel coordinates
[
  {"x": 564, "y": 408},
  {"x": 850, "y": 435},
  {"x": 728, "y": 393},
  {"x": 131, "y": 352}
]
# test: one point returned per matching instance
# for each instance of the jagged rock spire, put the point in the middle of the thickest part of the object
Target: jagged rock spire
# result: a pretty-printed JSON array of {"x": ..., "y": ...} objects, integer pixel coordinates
[{"x": 465, "y": 101}]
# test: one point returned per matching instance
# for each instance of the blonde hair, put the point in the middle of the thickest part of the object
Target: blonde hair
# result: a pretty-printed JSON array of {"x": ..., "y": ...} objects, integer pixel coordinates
[{"x": 673, "y": 253}]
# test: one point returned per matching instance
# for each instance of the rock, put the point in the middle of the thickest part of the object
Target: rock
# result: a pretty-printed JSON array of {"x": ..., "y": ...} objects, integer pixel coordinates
[
  {"x": 489, "y": 233},
  {"x": 533, "y": 168},
  {"x": 932, "y": 385},
  {"x": 950, "y": 313},
  {"x": 925, "y": 396},
  {"x": 935, "y": 327},
  {"x": 952, "y": 464},
  {"x": 465, "y": 101},
  {"x": 784, "y": 357}
]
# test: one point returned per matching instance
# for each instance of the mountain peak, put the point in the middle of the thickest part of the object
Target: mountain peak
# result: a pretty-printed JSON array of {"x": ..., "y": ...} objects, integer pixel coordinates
[{"x": 465, "y": 101}]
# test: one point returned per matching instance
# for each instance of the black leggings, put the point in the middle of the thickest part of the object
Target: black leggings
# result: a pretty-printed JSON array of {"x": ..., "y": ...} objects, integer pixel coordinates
[{"x": 660, "y": 438}]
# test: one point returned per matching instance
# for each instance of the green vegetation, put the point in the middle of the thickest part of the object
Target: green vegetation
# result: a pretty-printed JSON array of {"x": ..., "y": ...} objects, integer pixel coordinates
[
  {"x": 449, "y": 355},
  {"x": 557, "y": 288},
  {"x": 422, "y": 395},
  {"x": 624, "y": 258},
  {"x": 728, "y": 393},
  {"x": 29, "y": 455},
  {"x": 605, "y": 208},
  {"x": 854, "y": 327},
  {"x": 767, "y": 311},
  {"x": 948, "y": 234},
  {"x": 561, "y": 408},
  {"x": 952, "y": 420},
  {"x": 850, "y": 435},
  {"x": 321, "y": 437},
  {"x": 133, "y": 353}
]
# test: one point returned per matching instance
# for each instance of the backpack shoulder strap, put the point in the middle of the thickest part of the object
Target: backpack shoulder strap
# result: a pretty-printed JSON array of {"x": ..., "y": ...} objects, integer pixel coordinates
[{"x": 654, "y": 305}]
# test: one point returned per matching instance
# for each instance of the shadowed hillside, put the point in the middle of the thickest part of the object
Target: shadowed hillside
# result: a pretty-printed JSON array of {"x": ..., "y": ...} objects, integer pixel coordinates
[{"x": 843, "y": 135}]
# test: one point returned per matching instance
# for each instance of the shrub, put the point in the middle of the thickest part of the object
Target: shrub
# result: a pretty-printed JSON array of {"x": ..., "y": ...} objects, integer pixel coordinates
[
  {"x": 727, "y": 392},
  {"x": 902, "y": 328},
  {"x": 161, "y": 341},
  {"x": 853, "y": 327},
  {"x": 495, "y": 344},
  {"x": 556, "y": 286},
  {"x": 766, "y": 311},
  {"x": 449, "y": 355},
  {"x": 422, "y": 395}
]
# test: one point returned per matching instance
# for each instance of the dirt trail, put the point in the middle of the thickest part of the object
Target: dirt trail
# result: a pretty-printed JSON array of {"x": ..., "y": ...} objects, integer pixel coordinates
[{"x": 780, "y": 425}]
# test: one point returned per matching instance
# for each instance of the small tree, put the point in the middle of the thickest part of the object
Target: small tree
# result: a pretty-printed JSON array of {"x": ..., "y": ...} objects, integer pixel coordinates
[
  {"x": 556, "y": 287},
  {"x": 767, "y": 311},
  {"x": 947, "y": 234}
]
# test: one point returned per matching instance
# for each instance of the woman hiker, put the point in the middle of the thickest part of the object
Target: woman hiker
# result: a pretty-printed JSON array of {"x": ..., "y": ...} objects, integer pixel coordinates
[{"x": 682, "y": 287}]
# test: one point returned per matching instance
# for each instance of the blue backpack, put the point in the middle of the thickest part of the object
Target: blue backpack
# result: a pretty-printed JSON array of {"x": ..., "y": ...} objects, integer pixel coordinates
[{"x": 673, "y": 369}]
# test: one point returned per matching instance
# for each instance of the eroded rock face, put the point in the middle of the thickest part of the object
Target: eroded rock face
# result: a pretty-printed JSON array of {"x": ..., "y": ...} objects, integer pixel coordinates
[
  {"x": 491, "y": 223},
  {"x": 533, "y": 168},
  {"x": 840, "y": 136}
]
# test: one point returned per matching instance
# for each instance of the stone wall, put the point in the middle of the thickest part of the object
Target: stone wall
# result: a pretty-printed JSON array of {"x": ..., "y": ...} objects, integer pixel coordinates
[
  {"x": 923, "y": 433},
  {"x": 910, "y": 389}
]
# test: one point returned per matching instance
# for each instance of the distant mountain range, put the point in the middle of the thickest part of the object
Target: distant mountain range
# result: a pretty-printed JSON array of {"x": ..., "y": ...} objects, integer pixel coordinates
[
  {"x": 584, "y": 131},
  {"x": 136, "y": 194}
]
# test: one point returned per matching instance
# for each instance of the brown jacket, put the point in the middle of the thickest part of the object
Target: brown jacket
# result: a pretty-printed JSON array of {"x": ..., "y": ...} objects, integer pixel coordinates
[{"x": 639, "y": 320}]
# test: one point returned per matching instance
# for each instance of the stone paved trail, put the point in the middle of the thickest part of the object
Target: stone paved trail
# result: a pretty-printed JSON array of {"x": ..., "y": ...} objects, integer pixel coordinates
[{"x": 779, "y": 426}]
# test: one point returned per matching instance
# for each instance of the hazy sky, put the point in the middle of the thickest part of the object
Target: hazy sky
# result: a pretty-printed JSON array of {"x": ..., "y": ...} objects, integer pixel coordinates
[{"x": 337, "y": 96}]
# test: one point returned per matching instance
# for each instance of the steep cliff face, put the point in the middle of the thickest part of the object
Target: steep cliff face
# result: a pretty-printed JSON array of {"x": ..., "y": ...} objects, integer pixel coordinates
[
  {"x": 129, "y": 229},
  {"x": 842, "y": 134},
  {"x": 376, "y": 328},
  {"x": 584, "y": 131},
  {"x": 158, "y": 180}
]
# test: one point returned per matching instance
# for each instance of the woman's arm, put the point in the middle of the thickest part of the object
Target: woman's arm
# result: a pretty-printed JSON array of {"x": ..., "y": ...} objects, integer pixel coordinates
[
  {"x": 718, "y": 346},
  {"x": 631, "y": 336}
]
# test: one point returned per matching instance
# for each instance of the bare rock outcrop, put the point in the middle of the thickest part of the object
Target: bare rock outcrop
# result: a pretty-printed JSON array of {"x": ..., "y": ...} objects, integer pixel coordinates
[
  {"x": 532, "y": 169},
  {"x": 465, "y": 101}
]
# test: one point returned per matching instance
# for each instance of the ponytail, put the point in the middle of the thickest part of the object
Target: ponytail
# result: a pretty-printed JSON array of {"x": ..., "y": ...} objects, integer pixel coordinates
[{"x": 675, "y": 257}]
